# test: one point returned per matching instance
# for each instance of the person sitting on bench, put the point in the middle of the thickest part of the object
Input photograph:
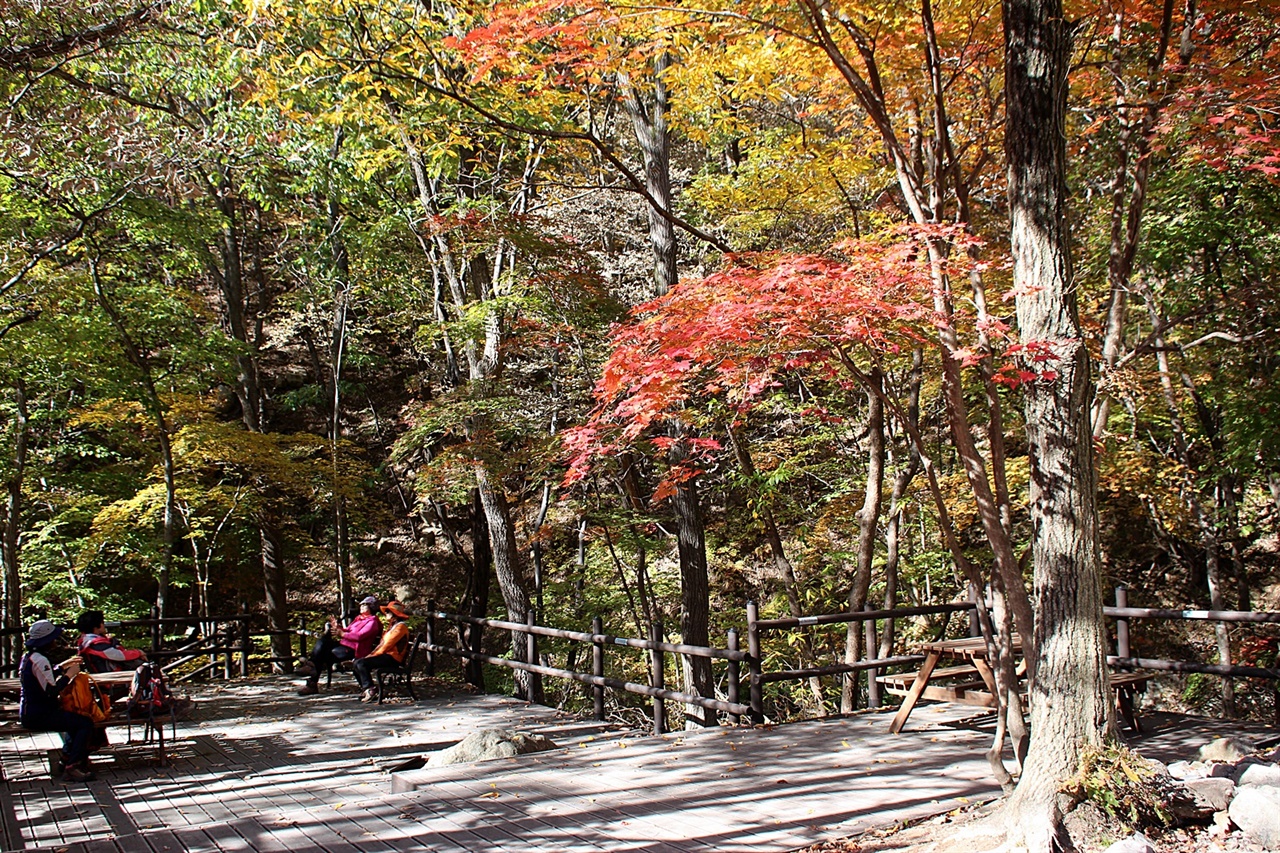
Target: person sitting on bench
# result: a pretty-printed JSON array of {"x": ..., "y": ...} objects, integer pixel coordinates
[
  {"x": 39, "y": 708},
  {"x": 338, "y": 644},
  {"x": 390, "y": 652},
  {"x": 101, "y": 652}
]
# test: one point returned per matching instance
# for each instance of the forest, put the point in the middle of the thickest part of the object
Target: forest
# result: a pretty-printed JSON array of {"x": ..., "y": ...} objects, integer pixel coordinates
[{"x": 643, "y": 311}]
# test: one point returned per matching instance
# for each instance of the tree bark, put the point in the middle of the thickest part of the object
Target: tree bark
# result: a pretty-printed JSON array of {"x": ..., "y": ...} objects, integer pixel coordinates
[
  {"x": 649, "y": 120},
  {"x": 275, "y": 588},
  {"x": 1070, "y": 707},
  {"x": 695, "y": 589},
  {"x": 477, "y": 594},
  {"x": 11, "y": 541},
  {"x": 337, "y": 350},
  {"x": 868, "y": 519},
  {"x": 510, "y": 574}
]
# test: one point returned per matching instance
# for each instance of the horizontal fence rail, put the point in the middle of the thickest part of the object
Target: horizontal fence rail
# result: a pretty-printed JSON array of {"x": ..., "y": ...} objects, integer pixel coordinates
[
  {"x": 214, "y": 645},
  {"x": 600, "y": 681},
  {"x": 597, "y": 680}
]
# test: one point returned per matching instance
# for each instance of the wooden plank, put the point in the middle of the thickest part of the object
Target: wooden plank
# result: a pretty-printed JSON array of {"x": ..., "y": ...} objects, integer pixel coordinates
[
  {"x": 9, "y": 829},
  {"x": 905, "y": 679},
  {"x": 922, "y": 680}
]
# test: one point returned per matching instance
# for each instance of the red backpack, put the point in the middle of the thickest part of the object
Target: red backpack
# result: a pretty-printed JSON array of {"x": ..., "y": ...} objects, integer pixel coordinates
[{"x": 149, "y": 694}]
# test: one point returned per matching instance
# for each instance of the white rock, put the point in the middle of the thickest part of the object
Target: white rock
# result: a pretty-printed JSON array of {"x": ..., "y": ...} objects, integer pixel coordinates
[
  {"x": 1260, "y": 774},
  {"x": 1185, "y": 770},
  {"x": 1213, "y": 795},
  {"x": 1256, "y": 810},
  {"x": 490, "y": 743},
  {"x": 1136, "y": 843},
  {"x": 1226, "y": 749}
]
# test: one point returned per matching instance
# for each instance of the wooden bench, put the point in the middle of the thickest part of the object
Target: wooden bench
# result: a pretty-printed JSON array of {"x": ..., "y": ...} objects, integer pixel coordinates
[
  {"x": 152, "y": 729},
  {"x": 1126, "y": 686},
  {"x": 401, "y": 676},
  {"x": 963, "y": 684}
]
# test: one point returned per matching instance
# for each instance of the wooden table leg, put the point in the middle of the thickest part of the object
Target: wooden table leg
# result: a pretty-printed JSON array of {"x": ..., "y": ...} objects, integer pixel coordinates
[
  {"x": 1124, "y": 704},
  {"x": 917, "y": 688},
  {"x": 988, "y": 677}
]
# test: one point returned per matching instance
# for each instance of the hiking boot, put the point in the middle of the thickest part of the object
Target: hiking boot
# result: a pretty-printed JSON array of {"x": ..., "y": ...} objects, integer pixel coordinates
[
  {"x": 311, "y": 688},
  {"x": 370, "y": 695},
  {"x": 74, "y": 774},
  {"x": 306, "y": 669}
]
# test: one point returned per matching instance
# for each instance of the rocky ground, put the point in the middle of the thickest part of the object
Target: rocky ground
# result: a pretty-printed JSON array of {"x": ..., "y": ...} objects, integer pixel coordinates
[{"x": 1226, "y": 801}]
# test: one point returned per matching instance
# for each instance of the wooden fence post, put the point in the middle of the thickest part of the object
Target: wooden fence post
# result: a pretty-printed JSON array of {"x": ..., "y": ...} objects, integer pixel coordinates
[
  {"x": 735, "y": 674},
  {"x": 244, "y": 643},
  {"x": 228, "y": 638},
  {"x": 531, "y": 658},
  {"x": 753, "y": 650},
  {"x": 657, "y": 677},
  {"x": 975, "y": 630},
  {"x": 871, "y": 649},
  {"x": 155, "y": 631},
  {"x": 473, "y": 636},
  {"x": 431, "y": 637},
  {"x": 597, "y": 667},
  {"x": 1122, "y": 624}
]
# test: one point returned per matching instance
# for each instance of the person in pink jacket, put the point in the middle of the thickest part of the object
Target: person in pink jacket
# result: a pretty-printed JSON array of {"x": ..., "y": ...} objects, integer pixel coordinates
[
  {"x": 339, "y": 644},
  {"x": 100, "y": 651}
]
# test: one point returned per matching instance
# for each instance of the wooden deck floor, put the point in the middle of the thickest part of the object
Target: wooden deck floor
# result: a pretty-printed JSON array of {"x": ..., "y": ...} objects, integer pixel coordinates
[{"x": 262, "y": 770}]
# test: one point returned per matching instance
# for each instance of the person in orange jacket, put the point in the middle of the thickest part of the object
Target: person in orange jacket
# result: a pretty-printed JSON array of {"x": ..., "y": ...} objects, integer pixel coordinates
[{"x": 389, "y": 653}]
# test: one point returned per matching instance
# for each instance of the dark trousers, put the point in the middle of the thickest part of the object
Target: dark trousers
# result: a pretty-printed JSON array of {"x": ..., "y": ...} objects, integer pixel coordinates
[
  {"x": 78, "y": 734},
  {"x": 365, "y": 667},
  {"x": 328, "y": 651}
]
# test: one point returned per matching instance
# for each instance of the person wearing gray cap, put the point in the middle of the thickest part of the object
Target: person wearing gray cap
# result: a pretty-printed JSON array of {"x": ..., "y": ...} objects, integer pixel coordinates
[
  {"x": 38, "y": 708},
  {"x": 342, "y": 644}
]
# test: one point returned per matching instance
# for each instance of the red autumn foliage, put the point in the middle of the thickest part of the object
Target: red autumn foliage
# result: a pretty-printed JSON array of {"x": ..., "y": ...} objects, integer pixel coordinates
[{"x": 729, "y": 335}]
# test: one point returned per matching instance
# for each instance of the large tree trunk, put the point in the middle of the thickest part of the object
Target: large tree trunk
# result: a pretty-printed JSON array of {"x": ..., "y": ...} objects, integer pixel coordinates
[
  {"x": 10, "y": 541},
  {"x": 275, "y": 589},
  {"x": 695, "y": 590},
  {"x": 867, "y": 522},
  {"x": 649, "y": 120},
  {"x": 1070, "y": 707},
  {"x": 476, "y": 598},
  {"x": 510, "y": 574}
]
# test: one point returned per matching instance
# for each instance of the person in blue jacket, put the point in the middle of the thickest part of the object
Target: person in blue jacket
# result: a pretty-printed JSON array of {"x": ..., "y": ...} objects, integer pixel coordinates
[{"x": 38, "y": 705}]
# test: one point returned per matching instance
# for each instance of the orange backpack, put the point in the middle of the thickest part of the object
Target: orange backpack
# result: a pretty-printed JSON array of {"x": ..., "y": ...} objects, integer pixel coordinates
[{"x": 82, "y": 696}]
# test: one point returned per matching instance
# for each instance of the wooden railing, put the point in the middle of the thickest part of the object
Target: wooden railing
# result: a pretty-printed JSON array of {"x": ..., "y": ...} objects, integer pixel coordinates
[
  {"x": 656, "y": 689},
  {"x": 226, "y": 642},
  {"x": 227, "y": 645},
  {"x": 1123, "y": 658},
  {"x": 753, "y": 657}
]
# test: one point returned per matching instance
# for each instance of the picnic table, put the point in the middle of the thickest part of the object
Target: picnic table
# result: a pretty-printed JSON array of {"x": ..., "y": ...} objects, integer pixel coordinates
[
  {"x": 152, "y": 726},
  {"x": 969, "y": 680},
  {"x": 13, "y": 686}
]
